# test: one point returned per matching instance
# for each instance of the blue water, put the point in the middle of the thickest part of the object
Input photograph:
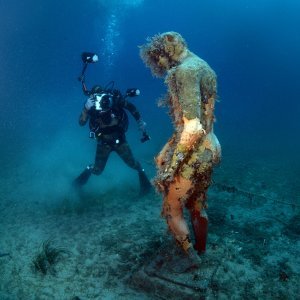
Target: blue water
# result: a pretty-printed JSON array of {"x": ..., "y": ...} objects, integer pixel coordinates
[{"x": 253, "y": 46}]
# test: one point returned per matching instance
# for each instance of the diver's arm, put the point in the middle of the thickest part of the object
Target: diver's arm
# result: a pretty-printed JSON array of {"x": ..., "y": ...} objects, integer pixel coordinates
[
  {"x": 132, "y": 109},
  {"x": 84, "y": 116},
  {"x": 137, "y": 116}
]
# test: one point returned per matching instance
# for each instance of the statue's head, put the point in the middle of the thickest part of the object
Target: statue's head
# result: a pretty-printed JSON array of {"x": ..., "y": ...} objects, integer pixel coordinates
[{"x": 163, "y": 51}]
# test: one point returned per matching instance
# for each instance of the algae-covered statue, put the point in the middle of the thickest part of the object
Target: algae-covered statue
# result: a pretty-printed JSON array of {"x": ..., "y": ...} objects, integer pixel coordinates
[{"x": 186, "y": 162}]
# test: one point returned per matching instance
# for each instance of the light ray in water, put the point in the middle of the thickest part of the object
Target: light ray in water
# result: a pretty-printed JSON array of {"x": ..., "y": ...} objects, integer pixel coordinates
[{"x": 110, "y": 39}]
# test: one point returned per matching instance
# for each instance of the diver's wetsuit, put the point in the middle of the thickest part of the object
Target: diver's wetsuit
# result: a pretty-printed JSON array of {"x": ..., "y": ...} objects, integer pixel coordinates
[{"x": 109, "y": 127}]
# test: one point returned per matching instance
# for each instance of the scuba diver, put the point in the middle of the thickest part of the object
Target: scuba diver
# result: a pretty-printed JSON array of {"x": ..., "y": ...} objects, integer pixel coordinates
[{"x": 108, "y": 123}]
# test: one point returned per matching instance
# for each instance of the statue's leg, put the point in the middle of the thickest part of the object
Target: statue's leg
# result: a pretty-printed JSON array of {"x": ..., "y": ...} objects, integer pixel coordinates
[
  {"x": 197, "y": 204},
  {"x": 173, "y": 211},
  {"x": 199, "y": 221}
]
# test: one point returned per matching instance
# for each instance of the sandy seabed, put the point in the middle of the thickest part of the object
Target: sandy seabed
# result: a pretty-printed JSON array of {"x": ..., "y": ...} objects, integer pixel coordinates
[{"x": 109, "y": 236}]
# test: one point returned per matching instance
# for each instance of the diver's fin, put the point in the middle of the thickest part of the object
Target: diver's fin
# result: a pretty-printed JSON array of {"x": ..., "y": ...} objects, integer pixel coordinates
[
  {"x": 145, "y": 184},
  {"x": 83, "y": 177}
]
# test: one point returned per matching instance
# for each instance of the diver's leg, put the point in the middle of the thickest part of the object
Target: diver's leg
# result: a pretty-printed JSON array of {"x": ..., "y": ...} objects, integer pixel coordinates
[
  {"x": 83, "y": 177},
  {"x": 125, "y": 153},
  {"x": 101, "y": 157},
  {"x": 102, "y": 154}
]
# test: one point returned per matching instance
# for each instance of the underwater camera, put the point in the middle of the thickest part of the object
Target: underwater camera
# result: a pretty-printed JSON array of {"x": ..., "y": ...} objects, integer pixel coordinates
[{"x": 103, "y": 102}]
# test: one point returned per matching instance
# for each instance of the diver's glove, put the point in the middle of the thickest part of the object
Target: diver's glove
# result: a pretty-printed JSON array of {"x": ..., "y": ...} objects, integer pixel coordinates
[
  {"x": 90, "y": 102},
  {"x": 141, "y": 125},
  {"x": 142, "y": 128},
  {"x": 145, "y": 137}
]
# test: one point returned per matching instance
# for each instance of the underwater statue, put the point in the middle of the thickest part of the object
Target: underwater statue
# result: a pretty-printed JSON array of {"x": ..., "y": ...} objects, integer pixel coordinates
[{"x": 186, "y": 162}]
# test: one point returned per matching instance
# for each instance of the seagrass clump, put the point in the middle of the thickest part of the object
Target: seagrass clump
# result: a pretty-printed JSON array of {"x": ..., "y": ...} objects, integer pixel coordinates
[{"x": 49, "y": 255}]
